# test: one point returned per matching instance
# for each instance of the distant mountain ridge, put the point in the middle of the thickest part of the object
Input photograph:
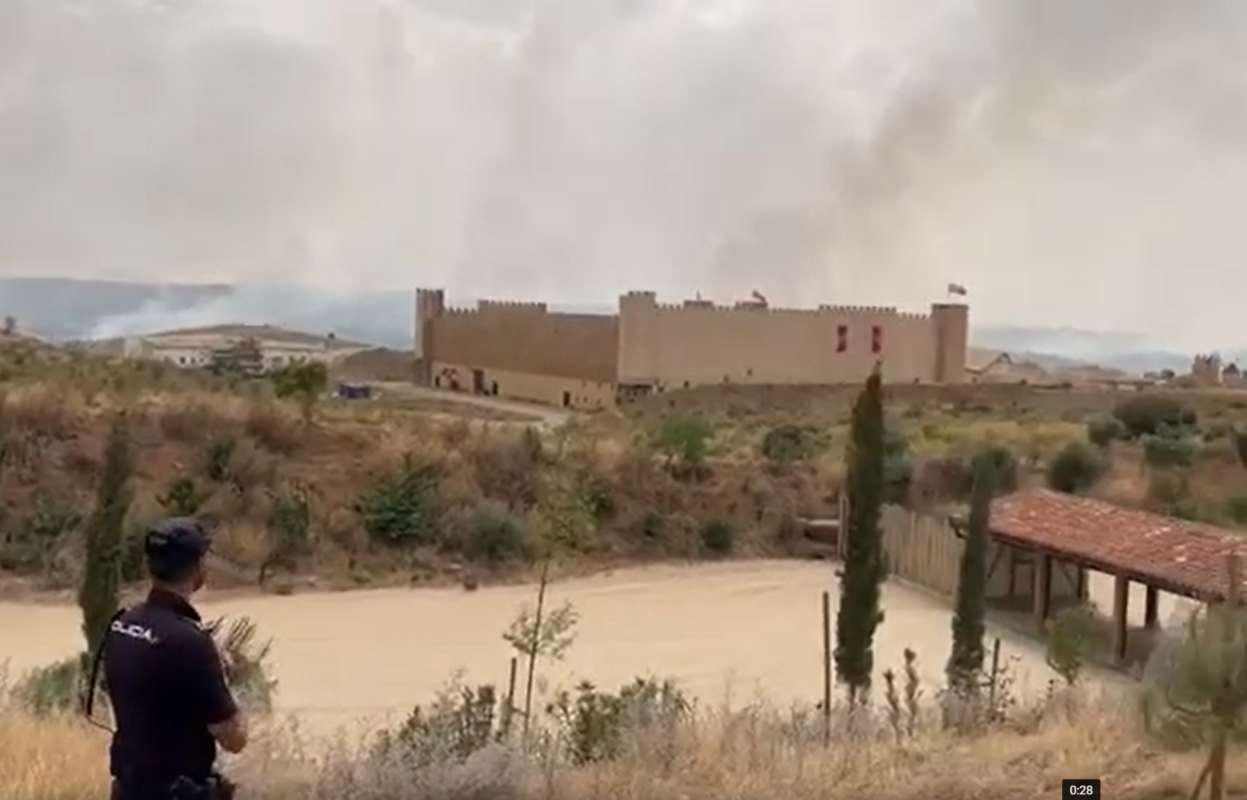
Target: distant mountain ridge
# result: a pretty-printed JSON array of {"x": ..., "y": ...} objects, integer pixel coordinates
[{"x": 67, "y": 309}]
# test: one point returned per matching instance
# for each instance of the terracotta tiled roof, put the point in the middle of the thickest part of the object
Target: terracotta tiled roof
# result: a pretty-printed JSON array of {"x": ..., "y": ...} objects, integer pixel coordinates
[{"x": 1178, "y": 556}]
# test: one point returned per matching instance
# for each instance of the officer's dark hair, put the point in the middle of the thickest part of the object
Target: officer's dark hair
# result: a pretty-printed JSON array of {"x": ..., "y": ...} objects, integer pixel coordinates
[{"x": 172, "y": 569}]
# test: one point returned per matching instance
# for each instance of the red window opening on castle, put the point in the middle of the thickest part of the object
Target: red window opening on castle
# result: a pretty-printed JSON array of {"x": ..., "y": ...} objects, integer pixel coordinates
[
  {"x": 842, "y": 338},
  {"x": 876, "y": 339}
]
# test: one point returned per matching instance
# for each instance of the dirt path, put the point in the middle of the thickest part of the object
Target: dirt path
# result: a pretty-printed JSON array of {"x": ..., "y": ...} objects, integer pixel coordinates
[
  {"x": 740, "y": 630},
  {"x": 545, "y": 416}
]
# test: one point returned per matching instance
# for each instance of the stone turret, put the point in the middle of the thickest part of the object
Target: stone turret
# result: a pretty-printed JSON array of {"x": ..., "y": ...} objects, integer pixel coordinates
[
  {"x": 430, "y": 305},
  {"x": 951, "y": 322}
]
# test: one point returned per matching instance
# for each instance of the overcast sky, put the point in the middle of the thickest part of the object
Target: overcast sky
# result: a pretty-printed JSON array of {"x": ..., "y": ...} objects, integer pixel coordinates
[{"x": 1070, "y": 161}]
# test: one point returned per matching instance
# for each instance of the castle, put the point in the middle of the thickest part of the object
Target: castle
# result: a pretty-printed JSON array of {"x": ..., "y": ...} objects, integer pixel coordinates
[{"x": 588, "y": 361}]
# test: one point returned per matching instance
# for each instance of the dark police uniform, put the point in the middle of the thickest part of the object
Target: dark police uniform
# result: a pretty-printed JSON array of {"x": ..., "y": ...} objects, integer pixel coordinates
[{"x": 167, "y": 685}]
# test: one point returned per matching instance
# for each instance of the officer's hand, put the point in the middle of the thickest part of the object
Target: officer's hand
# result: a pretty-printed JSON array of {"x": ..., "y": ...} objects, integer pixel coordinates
[{"x": 231, "y": 734}]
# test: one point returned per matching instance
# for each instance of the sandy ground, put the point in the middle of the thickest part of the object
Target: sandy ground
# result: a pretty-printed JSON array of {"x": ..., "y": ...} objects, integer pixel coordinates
[{"x": 735, "y": 630}]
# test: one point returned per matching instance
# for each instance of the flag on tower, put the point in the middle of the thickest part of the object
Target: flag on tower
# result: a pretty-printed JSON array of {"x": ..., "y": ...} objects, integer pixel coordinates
[{"x": 956, "y": 288}]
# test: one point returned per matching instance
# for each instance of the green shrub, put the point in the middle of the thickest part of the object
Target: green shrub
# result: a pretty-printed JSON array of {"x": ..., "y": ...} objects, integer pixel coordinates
[
  {"x": 685, "y": 441},
  {"x": 788, "y": 443},
  {"x": 494, "y": 534},
  {"x": 50, "y": 690},
  {"x": 1149, "y": 413},
  {"x": 182, "y": 498},
  {"x": 594, "y": 723},
  {"x": 1076, "y": 468},
  {"x": 1240, "y": 444},
  {"x": 290, "y": 521},
  {"x": 302, "y": 382},
  {"x": 1236, "y": 509},
  {"x": 402, "y": 508},
  {"x": 1072, "y": 639},
  {"x": 458, "y": 723},
  {"x": 1165, "y": 451},
  {"x": 219, "y": 457},
  {"x": 718, "y": 536},
  {"x": 1104, "y": 429},
  {"x": 653, "y": 525},
  {"x": 597, "y": 497}
]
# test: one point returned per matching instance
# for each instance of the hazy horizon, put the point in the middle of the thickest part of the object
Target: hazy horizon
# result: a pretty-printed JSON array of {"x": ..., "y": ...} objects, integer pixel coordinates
[{"x": 1073, "y": 164}]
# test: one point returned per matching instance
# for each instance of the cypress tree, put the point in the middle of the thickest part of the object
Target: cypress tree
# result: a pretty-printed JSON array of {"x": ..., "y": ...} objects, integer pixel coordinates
[
  {"x": 102, "y": 576},
  {"x": 864, "y": 567},
  {"x": 966, "y": 660}
]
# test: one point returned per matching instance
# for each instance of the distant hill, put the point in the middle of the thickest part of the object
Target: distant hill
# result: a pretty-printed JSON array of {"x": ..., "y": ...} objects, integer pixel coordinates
[
  {"x": 1064, "y": 348},
  {"x": 68, "y": 310}
]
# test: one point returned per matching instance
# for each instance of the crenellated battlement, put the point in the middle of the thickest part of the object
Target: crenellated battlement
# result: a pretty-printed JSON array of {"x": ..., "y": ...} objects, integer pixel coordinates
[{"x": 511, "y": 306}]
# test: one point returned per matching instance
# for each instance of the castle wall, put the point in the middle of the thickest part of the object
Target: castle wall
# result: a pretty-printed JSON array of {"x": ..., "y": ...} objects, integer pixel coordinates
[
  {"x": 524, "y": 338},
  {"x": 551, "y": 390},
  {"x": 670, "y": 346}
]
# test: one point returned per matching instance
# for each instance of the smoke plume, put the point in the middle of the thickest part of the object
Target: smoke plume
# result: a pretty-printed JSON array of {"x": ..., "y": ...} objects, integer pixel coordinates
[{"x": 1071, "y": 162}]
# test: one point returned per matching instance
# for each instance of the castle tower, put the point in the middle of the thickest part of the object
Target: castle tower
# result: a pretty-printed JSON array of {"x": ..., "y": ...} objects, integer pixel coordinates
[
  {"x": 951, "y": 322},
  {"x": 430, "y": 304}
]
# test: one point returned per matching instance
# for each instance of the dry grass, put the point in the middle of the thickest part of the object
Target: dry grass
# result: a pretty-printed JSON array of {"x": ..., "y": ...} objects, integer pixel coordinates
[
  {"x": 275, "y": 429},
  {"x": 758, "y": 753}
]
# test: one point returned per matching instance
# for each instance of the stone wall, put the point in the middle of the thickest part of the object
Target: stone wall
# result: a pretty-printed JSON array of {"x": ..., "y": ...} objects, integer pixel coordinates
[
  {"x": 523, "y": 338},
  {"x": 671, "y": 347}
]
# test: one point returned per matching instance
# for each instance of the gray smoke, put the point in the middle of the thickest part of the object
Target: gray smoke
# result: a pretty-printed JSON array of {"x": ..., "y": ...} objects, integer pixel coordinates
[{"x": 1071, "y": 162}]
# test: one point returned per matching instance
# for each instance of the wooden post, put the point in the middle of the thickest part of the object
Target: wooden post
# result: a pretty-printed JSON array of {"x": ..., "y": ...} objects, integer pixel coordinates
[
  {"x": 509, "y": 711},
  {"x": 1121, "y": 600},
  {"x": 1151, "y": 608},
  {"x": 1042, "y": 592},
  {"x": 1084, "y": 586},
  {"x": 826, "y": 668},
  {"x": 991, "y": 691}
]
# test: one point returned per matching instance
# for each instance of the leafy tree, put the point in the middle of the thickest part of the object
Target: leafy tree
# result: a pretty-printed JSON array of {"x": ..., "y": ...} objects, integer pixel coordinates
[
  {"x": 1201, "y": 695},
  {"x": 1076, "y": 468},
  {"x": 534, "y": 634},
  {"x": 1071, "y": 641},
  {"x": 102, "y": 576},
  {"x": 685, "y": 440},
  {"x": 182, "y": 498},
  {"x": 303, "y": 382},
  {"x": 966, "y": 661},
  {"x": 402, "y": 508},
  {"x": 864, "y": 567}
]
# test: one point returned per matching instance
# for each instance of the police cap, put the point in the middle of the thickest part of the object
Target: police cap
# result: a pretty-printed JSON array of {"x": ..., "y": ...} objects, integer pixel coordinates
[{"x": 177, "y": 542}]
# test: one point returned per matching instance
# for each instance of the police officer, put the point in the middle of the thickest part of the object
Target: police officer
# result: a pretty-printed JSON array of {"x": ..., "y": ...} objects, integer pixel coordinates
[{"x": 166, "y": 683}]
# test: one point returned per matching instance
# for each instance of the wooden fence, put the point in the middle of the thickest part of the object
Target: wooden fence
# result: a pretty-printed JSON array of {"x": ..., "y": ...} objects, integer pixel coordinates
[{"x": 921, "y": 549}]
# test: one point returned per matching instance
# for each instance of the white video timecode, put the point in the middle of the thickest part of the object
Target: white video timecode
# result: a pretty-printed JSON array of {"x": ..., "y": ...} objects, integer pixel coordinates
[{"x": 1080, "y": 789}]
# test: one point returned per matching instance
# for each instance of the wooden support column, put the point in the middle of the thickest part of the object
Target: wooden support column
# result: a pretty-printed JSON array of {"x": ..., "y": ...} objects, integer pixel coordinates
[
  {"x": 1121, "y": 599},
  {"x": 1084, "y": 589},
  {"x": 1012, "y": 569},
  {"x": 1151, "y": 609},
  {"x": 1042, "y": 593}
]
